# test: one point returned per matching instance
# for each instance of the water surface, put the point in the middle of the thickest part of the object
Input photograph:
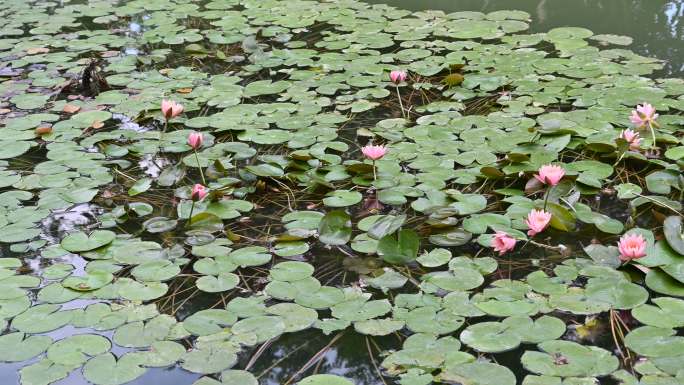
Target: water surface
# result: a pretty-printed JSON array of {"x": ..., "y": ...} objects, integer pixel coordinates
[{"x": 657, "y": 26}]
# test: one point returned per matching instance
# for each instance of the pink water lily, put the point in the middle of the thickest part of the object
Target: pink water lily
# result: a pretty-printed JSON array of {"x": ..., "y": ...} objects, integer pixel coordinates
[
  {"x": 195, "y": 140},
  {"x": 632, "y": 138},
  {"x": 398, "y": 76},
  {"x": 632, "y": 246},
  {"x": 550, "y": 174},
  {"x": 198, "y": 192},
  {"x": 644, "y": 114},
  {"x": 503, "y": 242},
  {"x": 374, "y": 152},
  {"x": 171, "y": 109},
  {"x": 537, "y": 221}
]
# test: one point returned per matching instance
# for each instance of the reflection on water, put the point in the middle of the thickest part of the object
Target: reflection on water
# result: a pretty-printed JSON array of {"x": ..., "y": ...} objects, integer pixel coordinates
[
  {"x": 347, "y": 357},
  {"x": 657, "y": 26},
  {"x": 60, "y": 222}
]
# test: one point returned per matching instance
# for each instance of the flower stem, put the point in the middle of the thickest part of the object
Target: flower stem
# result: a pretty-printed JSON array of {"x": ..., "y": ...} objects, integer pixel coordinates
[
  {"x": 559, "y": 248},
  {"x": 192, "y": 208},
  {"x": 204, "y": 182},
  {"x": 401, "y": 104},
  {"x": 375, "y": 177},
  {"x": 650, "y": 125},
  {"x": 546, "y": 196}
]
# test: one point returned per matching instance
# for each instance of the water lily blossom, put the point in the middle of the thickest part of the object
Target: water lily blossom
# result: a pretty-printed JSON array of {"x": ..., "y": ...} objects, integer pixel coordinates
[
  {"x": 195, "y": 140},
  {"x": 632, "y": 138},
  {"x": 550, "y": 174},
  {"x": 171, "y": 109},
  {"x": 632, "y": 246},
  {"x": 537, "y": 221},
  {"x": 503, "y": 242},
  {"x": 398, "y": 76},
  {"x": 644, "y": 114},
  {"x": 198, "y": 192},
  {"x": 374, "y": 152}
]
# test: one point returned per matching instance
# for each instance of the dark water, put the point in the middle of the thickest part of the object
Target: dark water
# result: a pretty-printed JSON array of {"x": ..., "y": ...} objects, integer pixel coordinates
[{"x": 657, "y": 26}]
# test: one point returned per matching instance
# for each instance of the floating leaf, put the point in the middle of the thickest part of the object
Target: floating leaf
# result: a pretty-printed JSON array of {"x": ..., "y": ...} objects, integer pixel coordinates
[
  {"x": 105, "y": 369},
  {"x": 91, "y": 281},
  {"x": 569, "y": 359},
  {"x": 73, "y": 351},
  {"x": 222, "y": 282},
  {"x": 140, "y": 186},
  {"x": 400, "y": 250},
  {"x": 15, "y": 347},
  {"x": 483, "y": 373},
  {"x": 674, "y": 233},
  {"x": 79, "y": 242},
  {"x": 335, "y": 228},
  {"x": 342, "y": 198},
  {"x": 325, "y": 379}
]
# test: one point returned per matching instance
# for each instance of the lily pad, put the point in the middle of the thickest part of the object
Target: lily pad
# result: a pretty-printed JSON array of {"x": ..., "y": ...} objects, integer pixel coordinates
[
  {"x": 105, "y": 369},
  {"x": 79, "y": 242},
  {"x": 325, "y": 379}
]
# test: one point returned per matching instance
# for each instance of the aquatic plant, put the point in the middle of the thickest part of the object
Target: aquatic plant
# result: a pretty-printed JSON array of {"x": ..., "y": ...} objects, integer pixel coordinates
[
  {"x": 374, "y": 153},
  {"x": 511, "y": 206},
  {"x": 632, "y": 246},
  {"x": 503, "y": 243},
  {"x": 537, "y": 221}
]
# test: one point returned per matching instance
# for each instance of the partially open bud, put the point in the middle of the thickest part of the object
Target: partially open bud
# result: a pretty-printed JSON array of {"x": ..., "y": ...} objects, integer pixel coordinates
[{"x": 198, "y": 192}]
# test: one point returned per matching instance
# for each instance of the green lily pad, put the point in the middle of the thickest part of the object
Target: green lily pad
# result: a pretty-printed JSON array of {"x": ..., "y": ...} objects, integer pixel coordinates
[
  {"x": 263, "y": 327},
  {"x": 210, "y": 321},
  {"x": 15, "y": 347},
  {"x": 105, "y": 369},
  {"x": 325, "y": 379},
  {"x": 378, "y": 327},
  {"x": 669, "y": 313},
  {"x": 73, "y": 351},
  {"x": 342, "y": 198},
  {"x": 43, "y": 372},
  {"x": 654, "y": 342},
  {"x": 400, "y": 250},
  {"x": 674, "y": 233},
  {"x": 91, "y": 281},
  {"x": 140, "y": 186},
  {"x": 291, "y": 271},
  {"x": 569, "y": 359},
  {"x": 484, "y": 373},
  {"x": 215, "y": 284},
  {"x": 41, "y": 319},
  {"x": 158, "y": 270},
  {"x": 238, "y": 377},
  {"x": 335, "y": 228},
  {"x": 79, "y": 242}
]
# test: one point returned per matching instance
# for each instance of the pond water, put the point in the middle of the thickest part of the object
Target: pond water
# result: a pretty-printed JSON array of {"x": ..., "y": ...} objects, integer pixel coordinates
[
  {"x": 519, "y": 223},
  {"x": 657, "y": 26}
]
